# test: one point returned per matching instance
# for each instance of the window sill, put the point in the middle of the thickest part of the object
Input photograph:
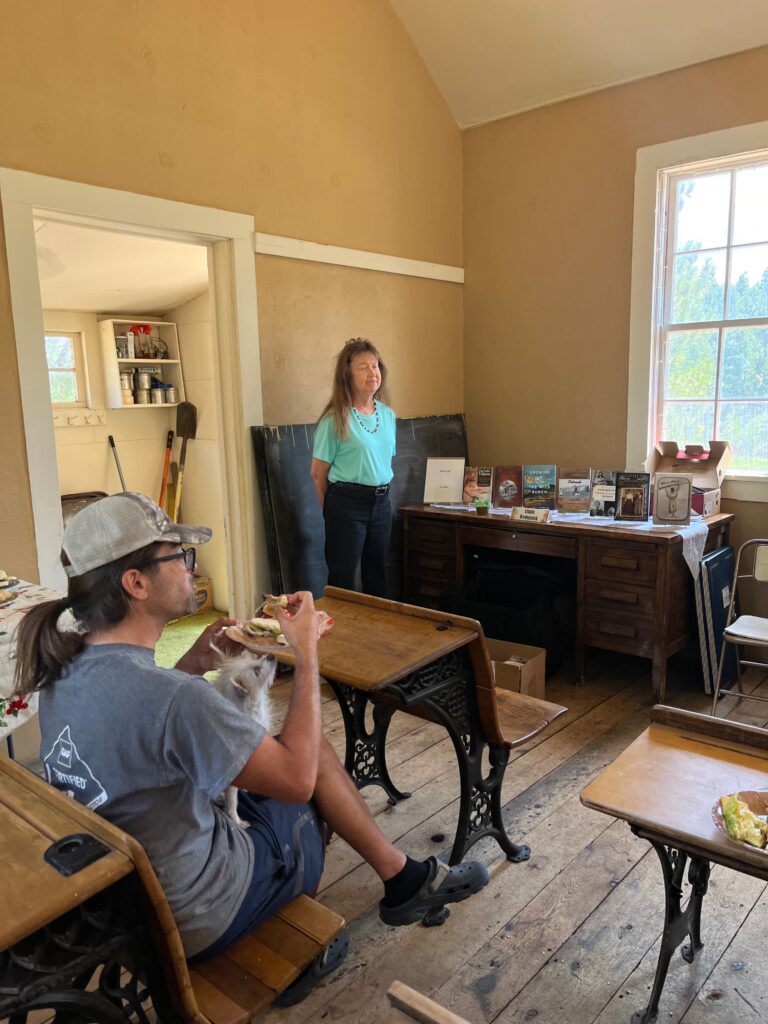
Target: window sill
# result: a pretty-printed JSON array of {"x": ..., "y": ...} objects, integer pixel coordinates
[{"x": 746, "y": 487}]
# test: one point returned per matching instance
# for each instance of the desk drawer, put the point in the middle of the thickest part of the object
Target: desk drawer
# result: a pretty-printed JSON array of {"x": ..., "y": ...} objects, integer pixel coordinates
[
  {"x": 545, "y": 543},
  {"x": 426, "y": 592},
  {"x": 631, "y": 563},
  {"x": 603, "y": 596},
  {"x": 618, "y": 632},
  {"x": 432, "y": 563},
  {"x": 431, "y": 536}
]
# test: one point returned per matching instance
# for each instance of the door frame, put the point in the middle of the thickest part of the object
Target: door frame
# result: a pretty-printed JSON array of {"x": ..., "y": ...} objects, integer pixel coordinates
[{"x": 229, "y": 238}]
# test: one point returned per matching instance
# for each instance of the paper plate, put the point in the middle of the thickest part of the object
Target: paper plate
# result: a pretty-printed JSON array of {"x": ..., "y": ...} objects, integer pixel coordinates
[
  {"x": 271, "y": 645},
  {"x": 756, "y": 801}
]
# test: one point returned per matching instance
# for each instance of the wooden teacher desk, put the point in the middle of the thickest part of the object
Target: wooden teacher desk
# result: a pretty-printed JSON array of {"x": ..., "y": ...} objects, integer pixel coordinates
[{"x": 634, "y": 591}]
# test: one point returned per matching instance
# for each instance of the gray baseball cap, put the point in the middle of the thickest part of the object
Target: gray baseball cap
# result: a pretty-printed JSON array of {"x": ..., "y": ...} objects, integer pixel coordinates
[{"x": 115, "y": 526}]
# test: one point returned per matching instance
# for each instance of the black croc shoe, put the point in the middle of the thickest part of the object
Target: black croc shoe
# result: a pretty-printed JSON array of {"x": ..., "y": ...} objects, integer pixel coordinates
[
  {"x": 443, "y": 885},
  {"x": 326, "y": 963}
]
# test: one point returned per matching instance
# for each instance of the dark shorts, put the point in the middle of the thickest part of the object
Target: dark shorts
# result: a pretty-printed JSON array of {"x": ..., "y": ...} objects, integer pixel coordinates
[{"x": 289, "y": 853}]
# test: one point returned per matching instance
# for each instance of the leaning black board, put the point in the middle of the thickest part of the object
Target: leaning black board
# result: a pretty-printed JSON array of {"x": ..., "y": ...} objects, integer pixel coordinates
[{"x": 292, "y": 517}]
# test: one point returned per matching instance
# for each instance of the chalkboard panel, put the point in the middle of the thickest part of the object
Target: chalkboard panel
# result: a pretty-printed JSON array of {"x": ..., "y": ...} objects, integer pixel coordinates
[{"x": 293, "y": 519}]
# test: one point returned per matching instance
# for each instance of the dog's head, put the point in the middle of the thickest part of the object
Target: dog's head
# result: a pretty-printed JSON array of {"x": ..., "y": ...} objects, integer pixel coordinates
[{"x": 245, "y": 676}]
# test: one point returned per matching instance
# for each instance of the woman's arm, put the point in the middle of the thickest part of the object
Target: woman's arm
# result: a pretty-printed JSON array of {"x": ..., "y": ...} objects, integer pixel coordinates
[{"x": 319, "y": 473}]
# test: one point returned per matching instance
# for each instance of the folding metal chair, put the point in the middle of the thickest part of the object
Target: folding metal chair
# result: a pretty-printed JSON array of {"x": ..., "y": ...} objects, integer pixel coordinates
[{"x": 746, "y": 630}]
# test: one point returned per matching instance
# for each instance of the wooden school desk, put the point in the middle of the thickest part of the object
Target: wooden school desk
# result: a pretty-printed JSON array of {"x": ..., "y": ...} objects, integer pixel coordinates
[
  {"x": 634, "y": 591},
  {"x": 665, "y": 785},
  {"x": 397, "y": 657}
]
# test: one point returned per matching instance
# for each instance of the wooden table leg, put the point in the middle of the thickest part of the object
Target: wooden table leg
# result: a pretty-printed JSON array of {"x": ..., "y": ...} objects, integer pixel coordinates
[
  {"x": 678, "y": 923},
  {"x": 658, "y": 676}
]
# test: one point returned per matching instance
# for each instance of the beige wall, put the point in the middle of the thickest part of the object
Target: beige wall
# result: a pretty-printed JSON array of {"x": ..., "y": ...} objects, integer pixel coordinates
[
  {"x": 307, "y": 311},
  {"x": 319, "y": 119},
  {"x": 548, "y": 207}
]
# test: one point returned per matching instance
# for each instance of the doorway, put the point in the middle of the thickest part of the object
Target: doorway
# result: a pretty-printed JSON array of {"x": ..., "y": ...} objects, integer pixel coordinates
[{"x": 30, "y": 203}]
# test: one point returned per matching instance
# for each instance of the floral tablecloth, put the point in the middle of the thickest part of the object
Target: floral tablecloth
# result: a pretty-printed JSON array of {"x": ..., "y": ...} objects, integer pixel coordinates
[{"x": 14, "y": 713}]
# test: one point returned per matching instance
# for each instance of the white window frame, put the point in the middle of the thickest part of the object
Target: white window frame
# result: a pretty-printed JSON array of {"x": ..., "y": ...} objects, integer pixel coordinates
[
  {"x": 654, "y": 163},
  {"x": 81, "y": 372}
]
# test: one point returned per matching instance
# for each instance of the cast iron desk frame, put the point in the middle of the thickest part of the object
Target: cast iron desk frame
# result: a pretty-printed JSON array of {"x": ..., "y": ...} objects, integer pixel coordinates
[
  {"x": 683, "y": 750},
  {"x": 634, "y": 592}
]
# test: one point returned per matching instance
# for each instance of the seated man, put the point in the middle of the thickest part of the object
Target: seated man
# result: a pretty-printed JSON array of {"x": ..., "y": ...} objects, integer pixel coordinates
[{"x": 151, "y": 749}]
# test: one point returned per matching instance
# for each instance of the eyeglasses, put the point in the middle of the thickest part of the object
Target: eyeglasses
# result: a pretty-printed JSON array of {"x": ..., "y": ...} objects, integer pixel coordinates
[{"x": 188, "y": 556}]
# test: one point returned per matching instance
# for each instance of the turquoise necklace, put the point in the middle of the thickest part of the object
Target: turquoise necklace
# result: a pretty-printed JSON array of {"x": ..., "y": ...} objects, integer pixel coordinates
[{"x": 359, "y": 418}]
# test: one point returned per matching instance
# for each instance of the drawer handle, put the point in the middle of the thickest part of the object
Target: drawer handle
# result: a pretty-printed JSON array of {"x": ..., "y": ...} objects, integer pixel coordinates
[
  {"x": 614, "y": 629},
  {"x": 432, "y": 563},
  {"x": 614, "y": 562},
  {"x": 619, "y": 596}
]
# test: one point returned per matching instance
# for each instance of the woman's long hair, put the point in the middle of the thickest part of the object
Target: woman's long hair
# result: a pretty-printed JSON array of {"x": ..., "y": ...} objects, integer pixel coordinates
[
  {"x": 97, "y": 601},
  {"x": 340, "y": 401}
]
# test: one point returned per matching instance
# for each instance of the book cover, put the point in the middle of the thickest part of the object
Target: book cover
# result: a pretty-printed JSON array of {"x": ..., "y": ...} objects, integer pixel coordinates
[
  {"x": 603, "y": 501},
  {"x": 574, "y": 490},
  {"x": 507, "y": 489},
  {"x": 443, "y": 480},
  {"x": 672, "y": 499},
  {"x": 632, "y": 492},
  {"x": 477, "y": 483},
  {"x": 539, "y": 486}
]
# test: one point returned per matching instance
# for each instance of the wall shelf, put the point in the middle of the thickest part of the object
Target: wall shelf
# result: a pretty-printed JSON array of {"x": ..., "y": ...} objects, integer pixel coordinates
[{"x": 171, "y": 369}]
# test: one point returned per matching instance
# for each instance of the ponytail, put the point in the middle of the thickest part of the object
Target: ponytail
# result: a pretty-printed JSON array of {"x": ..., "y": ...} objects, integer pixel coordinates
[
  {"x": 98, "y": 602},
  {"x": 42, "y": 650}
]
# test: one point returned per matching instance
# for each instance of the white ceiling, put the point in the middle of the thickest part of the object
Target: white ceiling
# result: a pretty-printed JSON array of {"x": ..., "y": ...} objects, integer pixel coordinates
[
  {"x": 492, "y": 58},
  {"x": 97, "y": 271}
]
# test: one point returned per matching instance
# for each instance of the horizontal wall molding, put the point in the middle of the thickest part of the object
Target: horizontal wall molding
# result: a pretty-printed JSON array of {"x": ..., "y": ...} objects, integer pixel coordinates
[{"x": 314, "y": 252}]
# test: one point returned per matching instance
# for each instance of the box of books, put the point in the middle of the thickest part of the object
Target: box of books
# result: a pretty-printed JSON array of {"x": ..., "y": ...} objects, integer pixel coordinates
[
  {"x": 477, "y": 484},
  {"x": 603, "y": 501},
  {"x": 518, "y": 667},
  {"x": 507, "y": 489},
  {"x": 539, "y": 486},
  {"x": 574, "y": 489},
  {"x": 707, "y": 468}
]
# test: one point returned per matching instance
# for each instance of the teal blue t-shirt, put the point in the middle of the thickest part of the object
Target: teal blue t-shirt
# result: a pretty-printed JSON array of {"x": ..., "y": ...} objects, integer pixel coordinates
[{"x": 365, "y": 457}]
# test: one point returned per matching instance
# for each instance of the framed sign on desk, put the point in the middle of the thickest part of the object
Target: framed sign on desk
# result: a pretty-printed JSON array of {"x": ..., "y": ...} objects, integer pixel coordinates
[{"x": 634, "y": 591}]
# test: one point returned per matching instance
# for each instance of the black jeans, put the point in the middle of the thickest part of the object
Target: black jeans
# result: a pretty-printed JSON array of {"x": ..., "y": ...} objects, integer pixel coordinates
[{"x": 357, "y": 525}]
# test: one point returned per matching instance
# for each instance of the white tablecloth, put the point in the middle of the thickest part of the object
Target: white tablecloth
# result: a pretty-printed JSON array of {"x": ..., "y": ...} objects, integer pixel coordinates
[{"x": 26, "y": 595}]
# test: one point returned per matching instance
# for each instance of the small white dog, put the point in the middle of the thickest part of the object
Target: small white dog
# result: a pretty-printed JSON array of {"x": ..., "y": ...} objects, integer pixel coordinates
[{"x": 245, "y": 680}]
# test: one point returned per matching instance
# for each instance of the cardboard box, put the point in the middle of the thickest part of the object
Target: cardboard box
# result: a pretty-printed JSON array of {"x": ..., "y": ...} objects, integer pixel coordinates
[
  {"x": 525, "y": 673},
  {"x": 203, "y": 594},
  {"x": 708, "y": 469}
]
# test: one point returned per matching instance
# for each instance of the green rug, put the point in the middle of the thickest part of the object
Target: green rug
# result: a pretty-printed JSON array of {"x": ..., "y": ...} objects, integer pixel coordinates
[{"x": 178, "y": 637}]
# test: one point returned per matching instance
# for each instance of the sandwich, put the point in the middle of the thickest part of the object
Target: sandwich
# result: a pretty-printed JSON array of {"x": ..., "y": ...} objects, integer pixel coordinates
[{"x": 741, "y": 823}]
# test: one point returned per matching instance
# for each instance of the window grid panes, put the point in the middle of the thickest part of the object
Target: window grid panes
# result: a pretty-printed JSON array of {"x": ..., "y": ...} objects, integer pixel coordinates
[
  {"x": 62, "y": 354},
  {"x": 713, "y": 330}
]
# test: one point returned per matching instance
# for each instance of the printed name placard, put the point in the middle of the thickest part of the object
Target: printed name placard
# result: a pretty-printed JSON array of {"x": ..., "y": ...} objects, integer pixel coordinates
[{"x": 531, "y": 515}]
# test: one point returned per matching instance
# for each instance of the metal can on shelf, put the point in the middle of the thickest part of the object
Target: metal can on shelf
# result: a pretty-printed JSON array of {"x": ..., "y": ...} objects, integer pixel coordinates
[
  {"x": 141, "y": 396},
  {"x": 127, "y": 396},
  {"x": 143, "y": 379},
  {"x": 158, "y": 396},
  {"x": 171, "y": 396},
  {"x": 126, "y": 380}
]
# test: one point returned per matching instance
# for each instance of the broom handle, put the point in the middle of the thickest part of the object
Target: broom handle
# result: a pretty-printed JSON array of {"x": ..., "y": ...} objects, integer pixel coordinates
[
  {"x": 182, "y": 460},
  {"x": 166, "y": 467},
  {"x": 117, "y": 462}
]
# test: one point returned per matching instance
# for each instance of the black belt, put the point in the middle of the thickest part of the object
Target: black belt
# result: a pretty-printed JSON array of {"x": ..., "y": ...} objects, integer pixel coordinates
[{"x": 361, "y": 488}]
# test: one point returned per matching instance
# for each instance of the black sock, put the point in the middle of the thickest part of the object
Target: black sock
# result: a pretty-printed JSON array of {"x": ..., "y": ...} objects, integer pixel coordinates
[{"x": 406, "y": 882}]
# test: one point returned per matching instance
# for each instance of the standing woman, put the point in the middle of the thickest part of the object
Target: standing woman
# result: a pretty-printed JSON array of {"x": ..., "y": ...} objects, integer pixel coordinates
[{"x": 352, "y": 469}]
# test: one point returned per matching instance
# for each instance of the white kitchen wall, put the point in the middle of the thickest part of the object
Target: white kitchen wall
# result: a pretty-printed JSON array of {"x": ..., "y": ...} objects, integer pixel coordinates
[
  {"x": 202, "y": 488},
  {"x": 83, "y": 453}
]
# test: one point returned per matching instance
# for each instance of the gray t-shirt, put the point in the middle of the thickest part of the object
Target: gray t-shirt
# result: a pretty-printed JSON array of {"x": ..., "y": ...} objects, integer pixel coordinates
[{"x": 150, "y": 749}]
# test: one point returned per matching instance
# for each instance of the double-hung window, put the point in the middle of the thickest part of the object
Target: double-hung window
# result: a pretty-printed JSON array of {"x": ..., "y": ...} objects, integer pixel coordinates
[
  {"x": 712, "y": 307},
  {"x": 66, "y": 373}
]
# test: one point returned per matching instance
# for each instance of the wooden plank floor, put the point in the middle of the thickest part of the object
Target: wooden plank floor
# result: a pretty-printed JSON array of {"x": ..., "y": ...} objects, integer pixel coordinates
[{"x": 571, "y": 936}]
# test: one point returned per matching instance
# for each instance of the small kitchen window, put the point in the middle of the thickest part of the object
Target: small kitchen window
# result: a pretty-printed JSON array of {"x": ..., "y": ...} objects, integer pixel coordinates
[{"x": 66, "y": 368}]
